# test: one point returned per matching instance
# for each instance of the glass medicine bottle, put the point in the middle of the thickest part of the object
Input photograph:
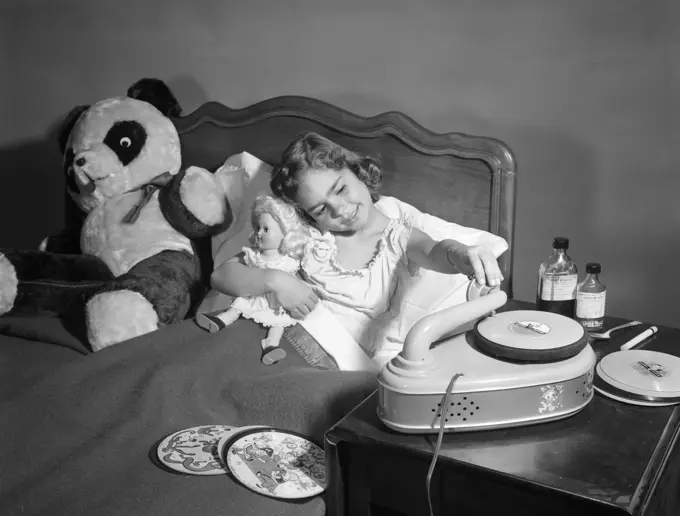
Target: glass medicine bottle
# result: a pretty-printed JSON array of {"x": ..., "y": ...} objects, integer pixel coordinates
[
  {"x": 557, "y": 281},
  {"x": 591, "y": 297}
]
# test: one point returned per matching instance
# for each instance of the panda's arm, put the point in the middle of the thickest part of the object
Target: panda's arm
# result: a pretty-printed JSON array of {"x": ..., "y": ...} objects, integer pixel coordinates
[{"x": 194, "y": 204}]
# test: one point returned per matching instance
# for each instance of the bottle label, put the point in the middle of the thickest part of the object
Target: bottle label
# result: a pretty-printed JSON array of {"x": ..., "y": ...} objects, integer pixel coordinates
[
  {"x": 590, "y": 305},
  {"x": 559, "y": 287}
]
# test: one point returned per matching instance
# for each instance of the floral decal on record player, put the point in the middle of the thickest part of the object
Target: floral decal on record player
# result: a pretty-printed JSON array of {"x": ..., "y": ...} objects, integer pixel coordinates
[
  {"x": 588, "y": 384},
  {"x": 551, "y": 398}
]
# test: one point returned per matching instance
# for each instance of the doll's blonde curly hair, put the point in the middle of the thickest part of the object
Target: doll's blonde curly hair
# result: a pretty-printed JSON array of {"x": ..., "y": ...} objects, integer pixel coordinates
[{"x": 295, "y": 231}]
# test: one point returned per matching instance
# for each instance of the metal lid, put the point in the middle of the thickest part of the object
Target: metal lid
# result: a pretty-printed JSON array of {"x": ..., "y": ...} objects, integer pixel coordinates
[
  {"x": 593, "y": 268},
  {"x": 560, "y": 243}
]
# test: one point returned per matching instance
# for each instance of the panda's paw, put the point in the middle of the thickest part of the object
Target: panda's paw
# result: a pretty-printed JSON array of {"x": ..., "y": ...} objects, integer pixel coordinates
[
  {"x": 8, "y": 285},
  {"x": 203, "y": 196},
  {"x": 114, "y": 317}
]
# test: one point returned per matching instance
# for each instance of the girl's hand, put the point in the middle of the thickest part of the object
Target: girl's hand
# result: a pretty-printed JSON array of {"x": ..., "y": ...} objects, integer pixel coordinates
[
  {"x": 292, "y": 294},
  {"x": 477, "y": 261}
]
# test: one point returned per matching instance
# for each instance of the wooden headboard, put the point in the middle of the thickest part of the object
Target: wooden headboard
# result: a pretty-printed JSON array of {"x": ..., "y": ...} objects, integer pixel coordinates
[{"x": 469, "y": 180}]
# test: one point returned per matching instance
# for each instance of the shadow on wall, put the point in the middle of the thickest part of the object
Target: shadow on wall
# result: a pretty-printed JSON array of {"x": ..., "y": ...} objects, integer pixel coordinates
[
  {"x": 32, "y": 199},
  {"x": 189, "y": 92},
  {"x": 557, "y": 188},
  {"x": 364, "y": 105},
  {"x": 562, "y": 186},
  {"x": 556, "y": 196}
]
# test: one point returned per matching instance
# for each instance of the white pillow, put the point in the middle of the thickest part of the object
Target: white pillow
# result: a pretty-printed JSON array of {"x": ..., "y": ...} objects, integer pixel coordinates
[{"x": 244, "y": 177}]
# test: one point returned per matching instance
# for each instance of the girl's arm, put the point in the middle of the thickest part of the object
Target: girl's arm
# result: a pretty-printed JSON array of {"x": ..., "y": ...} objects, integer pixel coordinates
[
  {"x": 451, "y": 257},
  {"x": 235, "y": 278}
]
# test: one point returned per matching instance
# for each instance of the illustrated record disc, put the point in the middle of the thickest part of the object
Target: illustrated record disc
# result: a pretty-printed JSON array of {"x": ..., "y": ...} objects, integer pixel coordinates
[
  {"x": 194, "y": 450},
  {"x": 276, "y": 463}
]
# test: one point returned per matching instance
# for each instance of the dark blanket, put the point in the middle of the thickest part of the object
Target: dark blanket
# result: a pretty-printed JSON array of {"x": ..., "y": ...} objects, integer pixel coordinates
[{"x": 79, "y": 431}]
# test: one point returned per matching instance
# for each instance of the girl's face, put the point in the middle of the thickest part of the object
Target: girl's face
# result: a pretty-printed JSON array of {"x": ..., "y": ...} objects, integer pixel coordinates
[
  {"x": 337, "y": 200},
  {"x": 268, "y": 234}
]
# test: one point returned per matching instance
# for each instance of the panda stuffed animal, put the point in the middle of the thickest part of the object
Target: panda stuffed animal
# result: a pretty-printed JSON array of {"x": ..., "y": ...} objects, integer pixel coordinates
[{"x": 136, "y": 268}]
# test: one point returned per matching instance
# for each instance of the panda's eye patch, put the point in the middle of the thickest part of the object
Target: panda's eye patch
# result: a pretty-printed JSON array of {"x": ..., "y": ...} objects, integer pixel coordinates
[
  {"x": 127, "y": 139},
  {"x": 69, "y": 156},
  {"x": 71, "y": 184}
]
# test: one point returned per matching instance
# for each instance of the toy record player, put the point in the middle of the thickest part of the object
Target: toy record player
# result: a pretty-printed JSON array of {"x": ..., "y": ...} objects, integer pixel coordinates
[{"x": 513, "y": 368}]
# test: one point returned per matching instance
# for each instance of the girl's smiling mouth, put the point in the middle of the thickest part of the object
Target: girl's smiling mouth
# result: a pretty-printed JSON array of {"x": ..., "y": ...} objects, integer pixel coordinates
[{"x": 348, "y": 220}]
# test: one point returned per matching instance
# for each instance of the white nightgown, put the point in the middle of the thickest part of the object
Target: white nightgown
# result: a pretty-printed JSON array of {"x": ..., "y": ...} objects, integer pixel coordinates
[{"x": 366, "y": 301}]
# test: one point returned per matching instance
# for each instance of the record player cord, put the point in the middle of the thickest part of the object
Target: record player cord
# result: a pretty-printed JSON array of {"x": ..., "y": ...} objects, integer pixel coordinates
[{"x": 442, "y": 419}]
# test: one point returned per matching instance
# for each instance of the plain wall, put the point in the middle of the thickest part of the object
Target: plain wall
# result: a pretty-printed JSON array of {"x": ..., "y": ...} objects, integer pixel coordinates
[{"x": 585, "y": 92}]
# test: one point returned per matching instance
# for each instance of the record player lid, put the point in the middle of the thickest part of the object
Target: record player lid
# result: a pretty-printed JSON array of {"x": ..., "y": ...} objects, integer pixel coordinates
[{"x": 642, "y": 372}]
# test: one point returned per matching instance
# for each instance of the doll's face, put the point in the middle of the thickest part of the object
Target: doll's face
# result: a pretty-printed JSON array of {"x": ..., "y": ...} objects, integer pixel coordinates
[{"x": 268, "y": 233}]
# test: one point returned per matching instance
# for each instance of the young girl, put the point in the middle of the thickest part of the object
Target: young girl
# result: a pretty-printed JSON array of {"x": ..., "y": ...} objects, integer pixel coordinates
[
  {"x": 361, "y": 261},
  {"x": 277, "y": 243}
]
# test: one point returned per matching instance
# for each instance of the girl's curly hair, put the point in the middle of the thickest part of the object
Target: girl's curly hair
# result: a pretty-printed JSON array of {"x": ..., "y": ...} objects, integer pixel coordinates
[
  {"x": 313, "y": 151},
  {"x": 295, "y": 231}
]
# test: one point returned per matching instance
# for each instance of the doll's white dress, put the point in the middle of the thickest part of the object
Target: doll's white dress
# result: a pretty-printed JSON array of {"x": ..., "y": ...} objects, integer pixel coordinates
[{"x": 257, "y": 307}]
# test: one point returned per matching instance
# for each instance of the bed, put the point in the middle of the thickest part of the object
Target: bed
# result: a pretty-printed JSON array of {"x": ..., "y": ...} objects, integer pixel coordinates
[{"x": 79, "y": 431}]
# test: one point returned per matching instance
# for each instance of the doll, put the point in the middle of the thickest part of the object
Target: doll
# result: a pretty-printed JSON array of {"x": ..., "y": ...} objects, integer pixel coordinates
[{"x": 277, "y": 242}]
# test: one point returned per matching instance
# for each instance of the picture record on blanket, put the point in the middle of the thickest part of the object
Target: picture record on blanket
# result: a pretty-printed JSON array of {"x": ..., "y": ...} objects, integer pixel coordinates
[{"x": 276, "y": 463}]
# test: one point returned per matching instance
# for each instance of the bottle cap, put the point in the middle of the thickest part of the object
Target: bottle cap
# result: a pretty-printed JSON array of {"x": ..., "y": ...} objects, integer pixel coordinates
[
  {"x": 593, "y": 268},
  {"x": 560, "y": 243}
]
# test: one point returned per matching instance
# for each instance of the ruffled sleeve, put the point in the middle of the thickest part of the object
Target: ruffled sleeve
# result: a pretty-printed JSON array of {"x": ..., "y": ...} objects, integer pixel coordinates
[
  {"x": 440, "y": 229},
  {"x": 251, "y": 257},
  {"x": 397, "y": 238},
  {"x": 319, "y": 251},
  {"x": 288, "y": 264},
  {"x": 396, "y": 243}
]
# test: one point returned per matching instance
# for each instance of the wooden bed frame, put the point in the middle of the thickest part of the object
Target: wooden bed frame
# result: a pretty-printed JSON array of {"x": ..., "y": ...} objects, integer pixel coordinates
[{"x": 469, "y": 180}]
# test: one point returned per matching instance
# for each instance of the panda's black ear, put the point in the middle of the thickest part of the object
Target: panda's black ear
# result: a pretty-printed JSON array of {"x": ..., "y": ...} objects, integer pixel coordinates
[
  {"x": 156, "y": 93},
  {"x": 67, "y": 125}
]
